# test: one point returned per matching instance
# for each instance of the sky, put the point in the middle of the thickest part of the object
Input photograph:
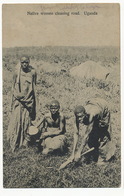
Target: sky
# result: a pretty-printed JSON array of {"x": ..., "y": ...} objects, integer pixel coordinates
[{"x": 21, "y": 29}]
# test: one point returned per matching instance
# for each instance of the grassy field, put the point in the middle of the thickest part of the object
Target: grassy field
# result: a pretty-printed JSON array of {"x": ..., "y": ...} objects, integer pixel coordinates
[{"x": 27, "y": 168}]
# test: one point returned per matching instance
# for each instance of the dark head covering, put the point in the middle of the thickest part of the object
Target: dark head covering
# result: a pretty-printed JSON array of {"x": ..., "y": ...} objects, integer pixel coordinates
[
  {"x": 25, "y": 58},
  {"x": 79, "y": 109},
  {"x": 55, "y": 103}
]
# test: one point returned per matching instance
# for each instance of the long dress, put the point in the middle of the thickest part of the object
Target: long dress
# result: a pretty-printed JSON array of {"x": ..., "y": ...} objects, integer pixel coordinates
[{"x": 23, "y": 106}]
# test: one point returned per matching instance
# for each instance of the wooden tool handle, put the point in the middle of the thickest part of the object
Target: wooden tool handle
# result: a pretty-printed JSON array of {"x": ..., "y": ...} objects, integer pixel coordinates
[{"x": 69, "y": 161}]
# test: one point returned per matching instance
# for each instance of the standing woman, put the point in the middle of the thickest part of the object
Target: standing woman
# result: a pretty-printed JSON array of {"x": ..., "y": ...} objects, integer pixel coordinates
[{"x": 23, "y": 103}]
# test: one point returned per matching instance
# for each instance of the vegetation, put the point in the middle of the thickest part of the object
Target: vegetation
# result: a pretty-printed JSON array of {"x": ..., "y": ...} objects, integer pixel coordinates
[{"x": 28, "y": 168}]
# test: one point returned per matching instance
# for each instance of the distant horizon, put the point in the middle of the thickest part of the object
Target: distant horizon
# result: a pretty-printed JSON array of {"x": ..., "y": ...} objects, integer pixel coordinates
[{"x": 62, "y": 46}]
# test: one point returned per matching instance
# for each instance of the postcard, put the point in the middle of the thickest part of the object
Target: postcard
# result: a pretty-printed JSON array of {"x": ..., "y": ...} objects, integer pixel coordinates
[{"x": 61, "y": 95}]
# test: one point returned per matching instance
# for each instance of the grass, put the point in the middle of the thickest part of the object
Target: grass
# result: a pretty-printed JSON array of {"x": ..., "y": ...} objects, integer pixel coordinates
[{"x": 28, "y": 168}]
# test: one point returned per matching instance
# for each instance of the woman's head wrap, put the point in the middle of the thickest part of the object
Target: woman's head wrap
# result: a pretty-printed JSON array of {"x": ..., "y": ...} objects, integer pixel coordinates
[
  {"x": 79, "y": 109},
  {"x": 25, "y": 58},
  {"x": 55, "y": 103}
]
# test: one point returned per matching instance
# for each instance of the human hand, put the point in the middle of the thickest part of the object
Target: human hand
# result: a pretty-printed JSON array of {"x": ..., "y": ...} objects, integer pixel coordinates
[
  {"x": 44, "y": 135},
  {"x": 77, "y": 156},
  {"x": 103, "y": 142},
  {"x": 71, "y": 158},
  {"x": 18, "y": 95}
]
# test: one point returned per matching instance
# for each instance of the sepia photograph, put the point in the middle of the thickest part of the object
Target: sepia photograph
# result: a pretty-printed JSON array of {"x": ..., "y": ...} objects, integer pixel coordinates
[{"x": 61, "y": 95}]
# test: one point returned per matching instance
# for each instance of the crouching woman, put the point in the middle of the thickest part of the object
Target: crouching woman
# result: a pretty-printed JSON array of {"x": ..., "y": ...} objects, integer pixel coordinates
[{"x": 52, "y": 137}]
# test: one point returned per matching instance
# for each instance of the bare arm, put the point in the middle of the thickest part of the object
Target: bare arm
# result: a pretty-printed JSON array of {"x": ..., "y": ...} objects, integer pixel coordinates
[
  {"x": 86, "y": 130},
  {"x": 34, "y": 81},
  {"x": 62, "y": 126},
  {"x": 109, "y": 127},
  {"x": 12, "y": 91},
  {"x": 76, "y": 135},
  {"x": 35, "y": 78},
  {"x": 60, "y": 130},
  {"x": 39, "y": 123},
  {"x": 75, "y": 142}
]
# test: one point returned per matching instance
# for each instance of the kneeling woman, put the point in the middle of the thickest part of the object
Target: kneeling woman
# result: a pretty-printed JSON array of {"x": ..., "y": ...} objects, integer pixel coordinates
[{"x": 53, "y": 131}]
